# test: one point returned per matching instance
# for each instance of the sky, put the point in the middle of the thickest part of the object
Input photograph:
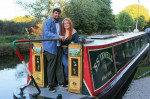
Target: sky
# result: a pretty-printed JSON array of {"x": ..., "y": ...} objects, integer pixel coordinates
[
  {"x": 119, "y": 5},
  {"x": 9, "y": 9}
]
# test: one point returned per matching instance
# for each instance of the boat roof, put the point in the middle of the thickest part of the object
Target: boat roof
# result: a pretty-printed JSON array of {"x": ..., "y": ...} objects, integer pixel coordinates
[
  {"x": 102, "y": 36},
  {"x": 108, "y": 39}
]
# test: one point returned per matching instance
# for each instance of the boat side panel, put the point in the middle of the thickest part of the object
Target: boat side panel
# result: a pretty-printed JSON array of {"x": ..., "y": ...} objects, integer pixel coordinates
[
  {"x": 87, "y": 83},
  {"x": 102, "y": 66},
  {"x": 93, "y": 81},
  {"x": 29, "y": 82},
  {"x": 94, "y": 76},
  {"x": 123, "y": 77}
]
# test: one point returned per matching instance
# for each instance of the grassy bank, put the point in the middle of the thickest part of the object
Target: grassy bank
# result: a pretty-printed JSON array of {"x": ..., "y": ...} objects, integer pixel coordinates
[
  {"x": 143, "y": 69},
  {"x": 6, "y": 44}
]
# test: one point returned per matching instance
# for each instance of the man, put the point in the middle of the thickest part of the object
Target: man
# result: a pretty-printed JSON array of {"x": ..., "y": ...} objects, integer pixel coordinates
[{"x": 52, "y": 49}]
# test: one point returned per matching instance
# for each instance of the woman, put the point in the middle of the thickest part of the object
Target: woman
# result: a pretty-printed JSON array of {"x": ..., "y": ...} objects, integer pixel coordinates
[{"x": 71, "y": 36}]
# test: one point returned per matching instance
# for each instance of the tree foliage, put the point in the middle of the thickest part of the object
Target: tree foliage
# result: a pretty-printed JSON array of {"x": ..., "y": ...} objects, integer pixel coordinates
[
  {"x": 40, "y": 9},
  {"x": 89, "y": 16},
  {"x": 123, "y": 21},
  {"x": 37, "y": 29},
  {"x": 25, "y": 18},
  {"x": 1, "y": 24},
  {"x": 141, "y": 22},
  {"x": 147, "y": 24},
  {"x": 107, "y": 2},
  {"x": 9, "y": 27},
  {"x": 133, "y": 11}
]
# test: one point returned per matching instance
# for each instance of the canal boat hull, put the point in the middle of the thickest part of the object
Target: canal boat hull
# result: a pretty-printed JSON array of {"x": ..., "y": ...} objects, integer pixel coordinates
[
  {"x": 111, "y": 92},
  {"x": 97, "y": 69},
  {"x": 122, "y": 58}
]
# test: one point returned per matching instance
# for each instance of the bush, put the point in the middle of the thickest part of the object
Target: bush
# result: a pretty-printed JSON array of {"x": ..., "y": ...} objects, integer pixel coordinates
[{"x": 141, "y": 22}]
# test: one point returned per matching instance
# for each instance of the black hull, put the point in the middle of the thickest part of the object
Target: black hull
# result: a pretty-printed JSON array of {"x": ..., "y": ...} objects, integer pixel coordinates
[{"x": 112, "y": 92}]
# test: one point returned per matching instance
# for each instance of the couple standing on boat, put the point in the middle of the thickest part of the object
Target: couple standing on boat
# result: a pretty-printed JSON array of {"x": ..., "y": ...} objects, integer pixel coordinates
[{"x": 55, "y": 55}]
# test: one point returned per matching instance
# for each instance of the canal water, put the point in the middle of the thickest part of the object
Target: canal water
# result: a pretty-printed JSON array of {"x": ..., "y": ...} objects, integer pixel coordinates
[{"x": 12, "y": 75}]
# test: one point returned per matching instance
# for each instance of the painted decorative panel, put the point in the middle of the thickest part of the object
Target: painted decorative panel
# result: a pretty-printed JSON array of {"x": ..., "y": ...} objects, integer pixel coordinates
[
  {"x": 74, "y": 52},
  {"x": 37, "y": 50},
  {"x": 74, "y": 68},
  {"x": 37, "y": 63}
]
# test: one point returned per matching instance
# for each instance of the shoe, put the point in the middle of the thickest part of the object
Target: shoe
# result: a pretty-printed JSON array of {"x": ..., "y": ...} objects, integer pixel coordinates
[
  {"x": 63, "y": 85},
  {"x": 52, "y": 89},
  {"x": 66, "y": 82}
]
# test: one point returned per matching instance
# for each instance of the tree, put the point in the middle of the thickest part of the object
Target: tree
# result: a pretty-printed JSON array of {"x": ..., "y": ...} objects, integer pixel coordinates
[
  {"x": 40, "y": 9},
  {"x": 123, "y": 21},
  {"x": 13, "y": 28},
  {"x": 133, "y": 11},
  {"x": 37, "y": 9},
  {"x": 107, "y": 2},
  {"x": 1, "y": 27},
  {"x": 1, "y": 24},
  {"x": 89, "y": 16}
]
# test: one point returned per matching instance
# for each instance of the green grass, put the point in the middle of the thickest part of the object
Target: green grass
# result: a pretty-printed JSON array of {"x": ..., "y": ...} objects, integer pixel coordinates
[
  {"x": 11, "y": 38},
  {"x": 143, "y": 68},
  {"x": 6, "y": 43}
]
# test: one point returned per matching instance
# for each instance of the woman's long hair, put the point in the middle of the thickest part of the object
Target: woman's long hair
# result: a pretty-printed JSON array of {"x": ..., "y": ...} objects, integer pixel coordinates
[{"x": 70, "y": 29}]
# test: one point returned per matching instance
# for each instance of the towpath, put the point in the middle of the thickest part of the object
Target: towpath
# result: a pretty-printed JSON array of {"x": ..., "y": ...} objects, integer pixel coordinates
[{"x": 138, "y": 89}]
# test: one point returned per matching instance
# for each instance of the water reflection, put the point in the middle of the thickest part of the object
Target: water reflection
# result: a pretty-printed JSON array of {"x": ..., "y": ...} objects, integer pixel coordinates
[
  {"x": 12, "y": 75},
  {"x": 20, "y": 72}
]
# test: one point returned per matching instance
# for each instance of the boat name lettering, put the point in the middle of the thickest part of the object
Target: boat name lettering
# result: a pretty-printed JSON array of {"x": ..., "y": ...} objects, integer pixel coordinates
[
  {"x": 101, "y": 57},
  {"x": 105, "y": 76}
]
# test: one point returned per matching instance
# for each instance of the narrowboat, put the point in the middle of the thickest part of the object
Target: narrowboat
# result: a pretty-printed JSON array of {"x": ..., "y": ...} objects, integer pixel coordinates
[{"x": 98, "y": 67}]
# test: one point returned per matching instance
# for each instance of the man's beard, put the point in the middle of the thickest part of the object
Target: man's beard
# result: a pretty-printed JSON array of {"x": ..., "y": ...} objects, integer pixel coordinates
[{"x": 56, "y": 19}]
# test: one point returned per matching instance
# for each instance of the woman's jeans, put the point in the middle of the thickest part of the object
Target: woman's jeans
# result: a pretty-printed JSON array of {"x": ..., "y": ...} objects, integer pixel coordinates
[{"x": 65, "y": 62}]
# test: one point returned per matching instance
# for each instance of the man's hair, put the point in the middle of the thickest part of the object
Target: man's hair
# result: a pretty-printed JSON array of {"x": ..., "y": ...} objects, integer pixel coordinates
[{"x": 56, "y": 9}]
